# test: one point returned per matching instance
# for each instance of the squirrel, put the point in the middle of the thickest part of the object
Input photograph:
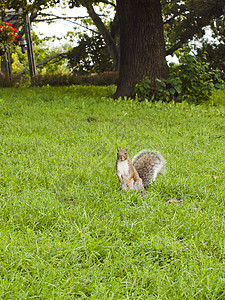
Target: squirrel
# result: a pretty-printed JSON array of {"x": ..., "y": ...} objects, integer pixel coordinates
[
  {"x": 126, "y": 173},
  {"x": 141, "y": 171}
]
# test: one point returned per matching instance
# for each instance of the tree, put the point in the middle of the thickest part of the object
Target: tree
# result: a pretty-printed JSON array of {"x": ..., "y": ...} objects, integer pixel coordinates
[
  {"x": 214, "y": 54},
  {"x": 186, "y": 20},
  {"x": 90, "y": 56},
  {"x": 142, "y": 46}
]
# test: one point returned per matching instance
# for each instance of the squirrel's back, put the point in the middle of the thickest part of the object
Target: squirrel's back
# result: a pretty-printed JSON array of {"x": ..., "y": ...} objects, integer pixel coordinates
[{"x": 148, "y": 164}]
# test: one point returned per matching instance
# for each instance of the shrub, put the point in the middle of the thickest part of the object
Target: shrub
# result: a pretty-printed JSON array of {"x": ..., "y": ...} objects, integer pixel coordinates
[
  {"x": 106, "y": 78},
  {"x": 192, "y": 81},
  {"x": 215, "y": 56}
]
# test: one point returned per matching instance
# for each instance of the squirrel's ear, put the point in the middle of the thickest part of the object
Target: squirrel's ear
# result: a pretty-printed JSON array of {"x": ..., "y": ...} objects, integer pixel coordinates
[
  {"x": 126, "y": 148},
  {"x": 118, "y": 149}
]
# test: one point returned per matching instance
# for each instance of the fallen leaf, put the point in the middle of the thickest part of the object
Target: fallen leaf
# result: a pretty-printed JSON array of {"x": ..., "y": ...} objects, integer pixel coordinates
[{"x": 174, "y": 201}]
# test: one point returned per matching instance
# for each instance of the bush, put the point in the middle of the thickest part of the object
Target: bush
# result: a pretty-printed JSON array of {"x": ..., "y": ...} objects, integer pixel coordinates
[
  {"x": 215, "y": 56},
  {"x": 192, "y": 81},
  {"x": 106, "y": 78}
]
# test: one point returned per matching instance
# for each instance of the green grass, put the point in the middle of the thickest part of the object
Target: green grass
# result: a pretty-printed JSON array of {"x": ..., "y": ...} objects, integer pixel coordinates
[{"x": 68, "y": 232}]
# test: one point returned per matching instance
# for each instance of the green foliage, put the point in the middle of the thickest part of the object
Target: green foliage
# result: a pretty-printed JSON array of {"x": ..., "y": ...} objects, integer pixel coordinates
[
  {"x": 188, "y": 20},
  {"x": 214, "y": 54},
  {"x": 85, "y": 3},
  {"x": 143, "y": 90},
  {"x": 192, "y": 80},
  {"x": 68, "y": 232},
  {"x": 26, "y": 5},
  {"x": 42, "y": 51},
  {"x": 90, "y": 56}
]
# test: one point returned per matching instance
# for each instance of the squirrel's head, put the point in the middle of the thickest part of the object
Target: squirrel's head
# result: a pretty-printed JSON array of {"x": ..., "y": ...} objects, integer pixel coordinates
[{"x": 122, "y": 154}]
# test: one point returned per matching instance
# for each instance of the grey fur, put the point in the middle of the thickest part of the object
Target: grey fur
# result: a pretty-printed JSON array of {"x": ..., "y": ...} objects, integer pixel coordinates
[{"x": 149, "y": 164}]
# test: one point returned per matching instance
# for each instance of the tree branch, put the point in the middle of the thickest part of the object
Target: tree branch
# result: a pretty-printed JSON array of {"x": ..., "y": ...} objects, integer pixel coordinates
[
  {"x": 106, "y": 35},
  {"x": 108, "y": 2},
  {"x": 60, "y": 17},
  {"x": 195, "y": 20},
  {"x": 69, "y": 19}
]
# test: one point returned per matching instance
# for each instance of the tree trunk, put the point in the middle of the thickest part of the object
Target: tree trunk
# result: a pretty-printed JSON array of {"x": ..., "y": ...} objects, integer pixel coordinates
[{"x": 142, "y": 46}]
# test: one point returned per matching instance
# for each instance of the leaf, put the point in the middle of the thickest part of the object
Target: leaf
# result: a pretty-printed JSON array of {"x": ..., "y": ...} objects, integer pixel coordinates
[
  {"x": 174, "y": 201},
  {"x": 172, "y": 91}
]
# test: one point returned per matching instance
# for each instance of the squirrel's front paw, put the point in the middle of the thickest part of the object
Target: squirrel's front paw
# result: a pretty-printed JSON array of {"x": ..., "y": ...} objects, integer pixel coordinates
[
  {"x": 124, "y": 187},
  {"x": 128, "y": 184}
]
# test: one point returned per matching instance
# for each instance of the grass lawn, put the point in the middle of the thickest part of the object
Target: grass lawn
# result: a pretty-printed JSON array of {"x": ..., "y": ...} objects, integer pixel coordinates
[{"x": 68, "y": 232}]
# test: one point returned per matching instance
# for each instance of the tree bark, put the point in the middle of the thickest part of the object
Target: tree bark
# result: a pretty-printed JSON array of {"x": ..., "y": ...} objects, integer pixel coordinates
[{"x": 142, "y": 46}]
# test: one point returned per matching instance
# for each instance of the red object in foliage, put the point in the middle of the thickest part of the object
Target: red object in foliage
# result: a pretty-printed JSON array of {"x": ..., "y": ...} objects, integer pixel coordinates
[
  {"x": 8, "y": 35},
  {"x": 7, "y": 32}
]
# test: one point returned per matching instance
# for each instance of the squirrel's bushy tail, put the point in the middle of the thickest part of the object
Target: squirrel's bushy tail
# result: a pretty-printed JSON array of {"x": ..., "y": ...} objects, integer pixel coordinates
[{"x": 149, "y": 164}]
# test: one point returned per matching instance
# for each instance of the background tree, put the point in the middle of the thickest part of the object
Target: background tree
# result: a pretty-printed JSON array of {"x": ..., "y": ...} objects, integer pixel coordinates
[
  {"x": 90, "y": 56},
  {"x": 44, "y": 54},
  {"x": 187, "y": 20},
  {"x": 213, "y": 48},
  {"x": 215, "y": 55}
]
